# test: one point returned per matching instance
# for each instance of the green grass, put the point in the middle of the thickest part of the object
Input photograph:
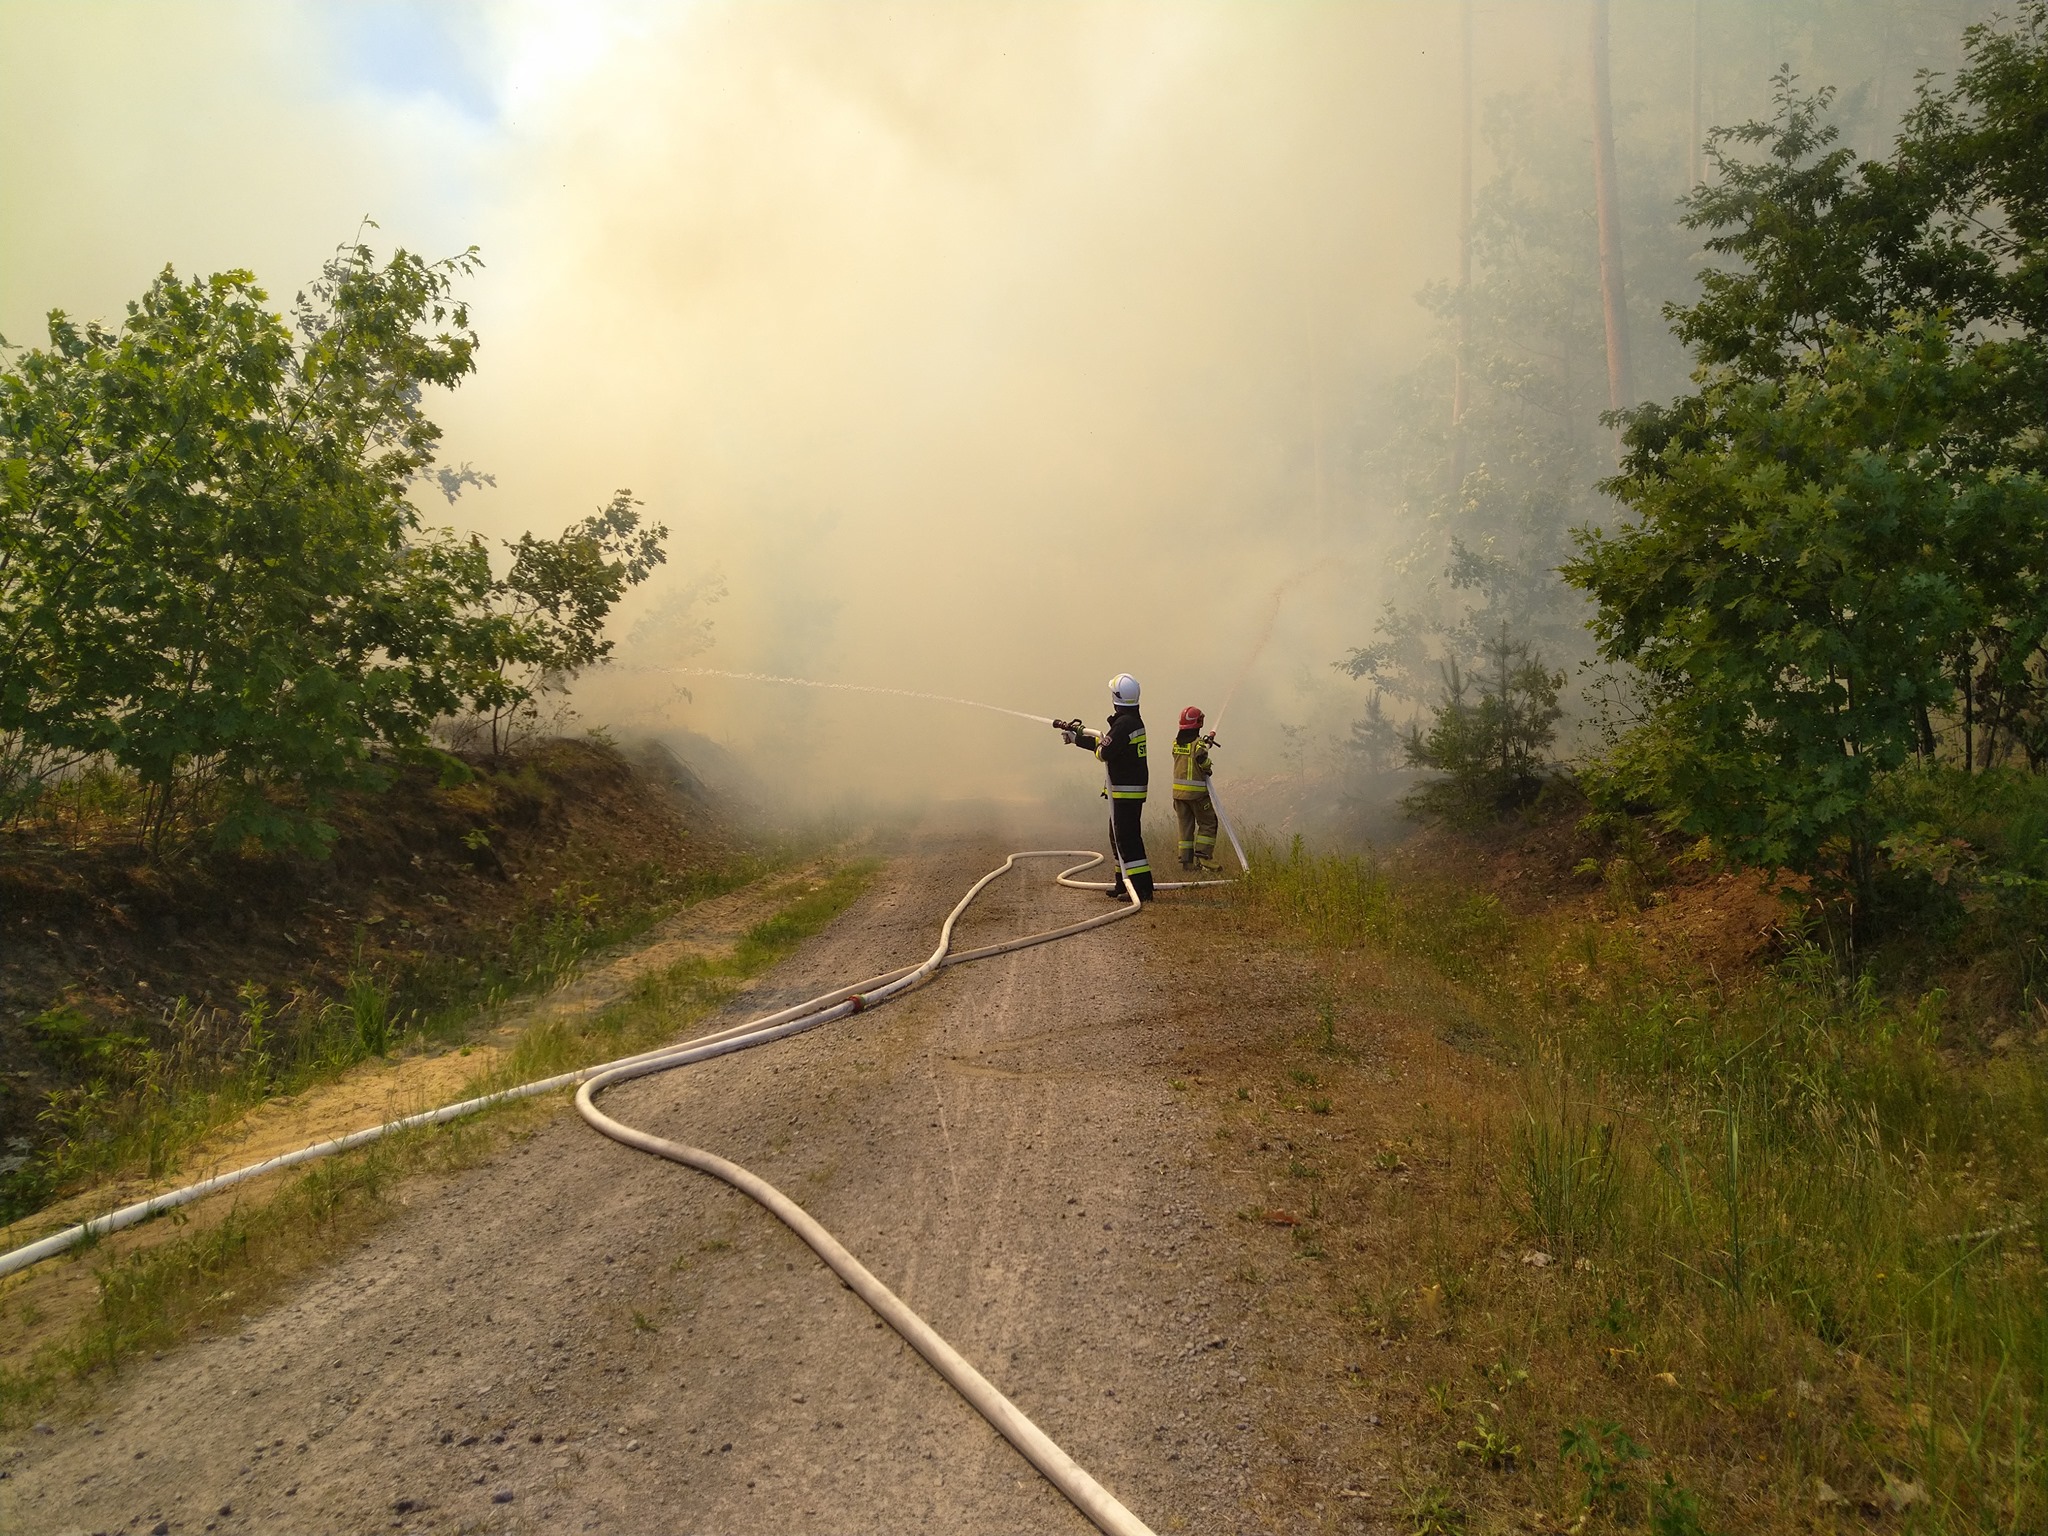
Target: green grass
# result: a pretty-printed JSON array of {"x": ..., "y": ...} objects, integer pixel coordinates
[
  {"x": 1794, "y": 1176},
  {"x": 684, "y": 992},
  {"x": 152, "y": 1298}
]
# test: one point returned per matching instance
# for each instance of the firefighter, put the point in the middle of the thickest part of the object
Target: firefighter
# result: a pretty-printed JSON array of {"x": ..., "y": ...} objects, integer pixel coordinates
[
  {"x": 1122, "y": 750},
  {"x": 1191, "y": 803}
]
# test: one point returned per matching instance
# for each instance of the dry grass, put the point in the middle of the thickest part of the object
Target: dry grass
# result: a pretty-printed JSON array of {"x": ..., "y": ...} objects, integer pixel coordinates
[{"x": 1628, "y": 1246}]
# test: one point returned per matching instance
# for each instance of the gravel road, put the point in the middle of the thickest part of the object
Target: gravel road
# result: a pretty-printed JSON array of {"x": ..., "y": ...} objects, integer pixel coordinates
[{"x": 576, "y": 1337}]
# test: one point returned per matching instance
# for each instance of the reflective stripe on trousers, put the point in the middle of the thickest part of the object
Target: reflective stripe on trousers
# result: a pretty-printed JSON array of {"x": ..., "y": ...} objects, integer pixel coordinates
[{"x": 1127, "y": 838}]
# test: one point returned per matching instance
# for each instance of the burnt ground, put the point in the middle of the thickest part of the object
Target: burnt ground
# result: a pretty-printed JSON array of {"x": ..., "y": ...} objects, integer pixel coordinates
[{"x": 431, "y": 888}]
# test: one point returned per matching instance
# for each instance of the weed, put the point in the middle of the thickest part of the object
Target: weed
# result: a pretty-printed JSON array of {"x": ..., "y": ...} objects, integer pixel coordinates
[
  {"x": 1433, "y": 1512},
  {"x": 149, "y": 1092},
  {"x": 1563, "y": 1178},
  {"x": 1674, "y": 1511},
  {"x": 369, "y": 1010},
  {"x": 1503, "y": 1376},
  {"x": 1798, "y": 1165},
  {"x": 1318, "y": 1105},
  {"x": 1602, "y": 1454},
  {"x": 1491, "y": 1445},
  {"x": 1301, "y": 1077},
  {"x": 1614, "y": 1316},
  {"x": 642, "y": 1323},
  {"x": 1244, "y": 1094}
]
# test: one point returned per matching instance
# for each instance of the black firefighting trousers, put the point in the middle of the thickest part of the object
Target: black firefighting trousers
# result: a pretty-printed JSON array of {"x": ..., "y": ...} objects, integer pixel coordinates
[{"x": 1127, "y": 843}]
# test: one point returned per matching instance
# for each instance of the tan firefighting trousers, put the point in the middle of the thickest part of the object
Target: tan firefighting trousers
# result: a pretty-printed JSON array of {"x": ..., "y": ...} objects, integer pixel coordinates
[{"x": 1197, "y": 832}]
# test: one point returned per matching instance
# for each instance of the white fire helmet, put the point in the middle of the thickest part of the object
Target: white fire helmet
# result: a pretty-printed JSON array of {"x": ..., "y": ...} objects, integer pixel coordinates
[{"x": 1123, "y": 689}]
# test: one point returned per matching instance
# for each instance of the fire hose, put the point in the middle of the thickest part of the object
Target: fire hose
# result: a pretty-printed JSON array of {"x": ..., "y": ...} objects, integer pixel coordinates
[{"x": 1087, "y": 1495}]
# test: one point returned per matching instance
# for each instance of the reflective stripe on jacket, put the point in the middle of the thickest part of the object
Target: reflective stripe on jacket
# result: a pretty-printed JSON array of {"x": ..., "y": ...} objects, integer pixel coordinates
[
  {"x": 1191, "y": 769},
  {"x": 1122, "y": 751}
]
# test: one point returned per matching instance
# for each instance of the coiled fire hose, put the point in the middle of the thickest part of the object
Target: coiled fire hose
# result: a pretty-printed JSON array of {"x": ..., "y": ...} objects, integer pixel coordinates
[{"x": 1087, "y": 1495}]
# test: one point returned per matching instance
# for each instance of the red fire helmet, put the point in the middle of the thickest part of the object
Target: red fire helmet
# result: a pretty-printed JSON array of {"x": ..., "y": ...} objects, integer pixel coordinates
[{"x": 1191, "y": 719}]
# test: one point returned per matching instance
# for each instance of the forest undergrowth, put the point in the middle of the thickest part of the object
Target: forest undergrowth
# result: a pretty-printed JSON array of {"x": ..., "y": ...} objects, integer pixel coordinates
[{"x": 1715, "y": 1248}]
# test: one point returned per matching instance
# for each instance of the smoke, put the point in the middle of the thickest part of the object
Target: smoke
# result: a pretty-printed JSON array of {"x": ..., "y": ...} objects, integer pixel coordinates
[
  {"x": 901, "y": 693},
  {"x": 981, "y": 350},
  {"x": 1274, "y": 599}
]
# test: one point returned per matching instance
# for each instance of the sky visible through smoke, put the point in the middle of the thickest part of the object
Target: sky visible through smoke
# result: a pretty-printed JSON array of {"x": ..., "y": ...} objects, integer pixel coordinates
[{"x": 975, "y": 349}]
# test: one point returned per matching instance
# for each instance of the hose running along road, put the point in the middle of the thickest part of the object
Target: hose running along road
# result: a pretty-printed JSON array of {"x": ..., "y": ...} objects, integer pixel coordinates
[{"x": 1060, "y": 1469}]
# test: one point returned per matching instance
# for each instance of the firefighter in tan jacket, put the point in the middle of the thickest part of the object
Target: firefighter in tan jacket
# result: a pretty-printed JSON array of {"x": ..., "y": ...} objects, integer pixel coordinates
[{"x": 1191, "y": 802}]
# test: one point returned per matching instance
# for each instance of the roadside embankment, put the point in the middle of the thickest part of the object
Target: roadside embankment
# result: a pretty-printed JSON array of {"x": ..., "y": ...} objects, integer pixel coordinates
[
  {"x": 150, "y": 1285},
  {"x": 147, "y": 1000}
]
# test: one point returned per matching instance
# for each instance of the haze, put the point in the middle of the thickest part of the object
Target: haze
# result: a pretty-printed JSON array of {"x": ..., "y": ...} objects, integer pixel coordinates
[{"x": 982, "y": 349}]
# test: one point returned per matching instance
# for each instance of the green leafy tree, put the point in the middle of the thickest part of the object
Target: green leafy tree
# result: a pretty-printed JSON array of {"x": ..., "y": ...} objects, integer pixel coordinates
[
  {"x": 1840, "y": 558},
  {"x": 213, "y": 579},
  {"x": 212, "y": 572},
  {"x": 549, "y": 612}
]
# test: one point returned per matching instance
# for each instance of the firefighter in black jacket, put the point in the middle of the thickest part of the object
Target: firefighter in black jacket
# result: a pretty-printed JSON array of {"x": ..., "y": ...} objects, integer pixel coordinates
[{"x": 1122, "y": 750}]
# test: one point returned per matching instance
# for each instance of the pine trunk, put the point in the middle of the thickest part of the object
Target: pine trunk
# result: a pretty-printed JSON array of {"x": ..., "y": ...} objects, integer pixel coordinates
[
  {"x": 1694, "y": 169},
  {"x": 1460, "y": 385},
  {"x": 1606, "y": 200}
]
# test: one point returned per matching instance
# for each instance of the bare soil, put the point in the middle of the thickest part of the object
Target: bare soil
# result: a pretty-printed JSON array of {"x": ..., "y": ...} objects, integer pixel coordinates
[{"x": 576, "y": 1337}]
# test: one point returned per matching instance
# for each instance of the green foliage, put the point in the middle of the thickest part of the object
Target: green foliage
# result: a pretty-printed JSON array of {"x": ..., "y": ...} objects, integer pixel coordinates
[
  {"x": 1492, "y": 750},
  {"x": 1561, "y": 1179},
  {"x": 1603, "y": 1454},
  {"x": 1812, "y": 559},
  {"x": 211, "y": 571},
  {"x": 1434, "y": 1512},
  {"x": 1492, "y": 1445},
  {"x": 1837, "y": 564},
  {"x": 1345, "y": 900},
  {"x": 549, "y": 611},
  {"x": 1966, "y": 869},
  {"x": 1674, "y": 1511}
]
